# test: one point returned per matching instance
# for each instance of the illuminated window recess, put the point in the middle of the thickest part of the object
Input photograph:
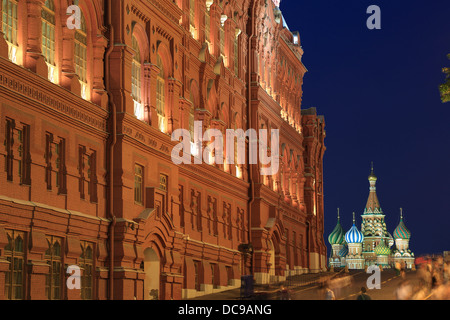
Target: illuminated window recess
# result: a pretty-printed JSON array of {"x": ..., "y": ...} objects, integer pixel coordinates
[
  {"x": 12, "y": 52},
  {"x": 138, "y": 110}
]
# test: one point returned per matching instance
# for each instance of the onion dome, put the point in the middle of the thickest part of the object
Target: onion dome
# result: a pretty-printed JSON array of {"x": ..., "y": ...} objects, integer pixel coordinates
[
  {"x": 372, "y": 176},
  {"x": 382, "y": 249},
  {"x": 343, "y": 252},
  {"x": 337, "y": 235},
  {"x": 354, "y": 235},
  {"x": 401, "y": 232}
]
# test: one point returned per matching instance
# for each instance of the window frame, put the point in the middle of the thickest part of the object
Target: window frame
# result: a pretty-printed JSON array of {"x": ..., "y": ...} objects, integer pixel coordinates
[
  {"x": 138, "y": 184},
  {"x": 80, "y": 55},
  {"x": 161, "y": 95},
  {"x": 10, "y": 27},
  {"x": 48, "y": 43},
  {"x": 14, "y": 256},
  {"x": 88, "y": 274},
  {"x": 54, "y": 280},
  {"x": 136, "y": 79}
]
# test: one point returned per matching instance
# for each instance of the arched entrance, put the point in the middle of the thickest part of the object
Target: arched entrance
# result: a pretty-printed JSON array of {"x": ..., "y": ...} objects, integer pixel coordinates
[{"x": 152, "y": 269}]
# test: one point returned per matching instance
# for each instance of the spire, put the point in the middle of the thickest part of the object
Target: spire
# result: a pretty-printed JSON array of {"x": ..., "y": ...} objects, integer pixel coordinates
[
  {"x": 373, "y": 205},
  {"x": 354, "y": 221},
  {"x": 338, "y": 214},
  {"x": 372, "y": 176},
  {"x": 401, "y": 214}
]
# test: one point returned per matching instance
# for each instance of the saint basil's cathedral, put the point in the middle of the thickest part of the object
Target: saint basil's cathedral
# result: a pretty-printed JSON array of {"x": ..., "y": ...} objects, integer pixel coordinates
[{"x": 373, "y": 244}]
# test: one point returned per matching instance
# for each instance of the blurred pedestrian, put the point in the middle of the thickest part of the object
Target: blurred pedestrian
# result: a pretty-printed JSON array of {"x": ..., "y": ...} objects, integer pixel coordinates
[
  {"x": 446, "y": 272},
  {"x": 363, "y": 295},
  {"x": 284, "y": 293},
  {"x": 402, "y": 270},
  {"x": 403, "y": 291},
  {"x": 397, "y": 268},
  {"x": 435, "y": 278},
  {"x": 329, "y": 294}
]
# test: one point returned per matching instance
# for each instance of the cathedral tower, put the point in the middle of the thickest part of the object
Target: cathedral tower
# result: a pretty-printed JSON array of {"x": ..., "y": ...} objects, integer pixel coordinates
[{"x": 373, "y": 226}]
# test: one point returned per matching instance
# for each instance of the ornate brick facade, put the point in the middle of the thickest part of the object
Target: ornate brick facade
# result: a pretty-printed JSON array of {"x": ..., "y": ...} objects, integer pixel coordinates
[{"x": 86, "y": 179}]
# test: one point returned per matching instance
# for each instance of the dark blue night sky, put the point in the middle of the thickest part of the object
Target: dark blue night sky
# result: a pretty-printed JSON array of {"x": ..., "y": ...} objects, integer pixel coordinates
[{"x": 378, "y": 91}]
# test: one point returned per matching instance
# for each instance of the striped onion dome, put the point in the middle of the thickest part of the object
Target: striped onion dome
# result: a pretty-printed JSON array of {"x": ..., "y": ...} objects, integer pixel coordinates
[
  {"x": 382, "y": 249},
  {"x": 401, "y": 232},
  {"x": 343, "y": 252},
  {"x": 354, "y": 235},
  {"x": 337, "y": 235}
]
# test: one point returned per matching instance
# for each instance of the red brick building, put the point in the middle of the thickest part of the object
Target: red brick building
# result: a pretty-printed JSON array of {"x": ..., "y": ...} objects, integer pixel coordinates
[{"x": 88, "y": 104}]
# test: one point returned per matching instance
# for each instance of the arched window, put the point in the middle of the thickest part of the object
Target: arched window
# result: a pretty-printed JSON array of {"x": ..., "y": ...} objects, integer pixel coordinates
[
  {"x": 192, "y": 17},
  {"x": 9, "y": 25},
  {"x": 207, "y": 25},
  {"x": 80, "y": 56},
  {"x": 14, "y": 253},
  {"x": 160, "y": 95},
  {"x": 48, "y": 38},
  {"x": 236, "y": 52},
  {"x": 53, "y": 278},
  {"x": 86, "y": 262},
  {"x": 136, "y": 81},
  {"x": 223, "y": 18}
]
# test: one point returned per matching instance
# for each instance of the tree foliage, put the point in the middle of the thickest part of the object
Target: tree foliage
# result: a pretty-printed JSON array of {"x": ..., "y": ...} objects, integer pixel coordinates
[{"x": 445, "y": 87}]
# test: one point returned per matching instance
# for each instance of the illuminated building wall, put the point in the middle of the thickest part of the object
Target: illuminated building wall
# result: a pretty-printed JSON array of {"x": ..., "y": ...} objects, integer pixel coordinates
[{"x": 86, "y": 115}]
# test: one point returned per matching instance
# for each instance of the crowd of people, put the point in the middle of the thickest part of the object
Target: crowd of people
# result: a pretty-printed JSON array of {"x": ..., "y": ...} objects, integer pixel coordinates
[{"x": 433, "y": 282}]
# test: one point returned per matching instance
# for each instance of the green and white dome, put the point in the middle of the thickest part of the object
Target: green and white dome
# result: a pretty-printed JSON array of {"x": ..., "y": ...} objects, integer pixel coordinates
[{"x": 337, "y": 235}]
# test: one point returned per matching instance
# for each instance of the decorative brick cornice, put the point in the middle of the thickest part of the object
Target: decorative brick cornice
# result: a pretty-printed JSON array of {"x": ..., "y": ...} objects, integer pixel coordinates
[{"x": 16, "y": 84}]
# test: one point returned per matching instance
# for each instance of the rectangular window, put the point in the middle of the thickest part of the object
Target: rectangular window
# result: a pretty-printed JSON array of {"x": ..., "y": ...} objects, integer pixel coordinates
[
  {"x": 88, "y": 174},
  {"x": 10, "y": 25},
  {"x": 160, "y": 94},
  {"x": 17, "y": 144},
  {"x": 207, "y": 26},
  {"x": 192, "y": 17},
  {"x": 229, "y": 275},
  {"x": 48, "y": 38},
  {"x": 136, "y": 82},
  {"x": 54, "y": 156},
  {"x": 160, "y": 102},
  {"x": 15, "y": 254},
  {"x": 138, "y": 184},
  {"x": 80, "y": 56},
  {"x": 163, "y": 179},
  {"x": 87, "y": 266},
  {"x": 197, "y": 275},
  {"x": 20, "y": 152},
  {"x": 54, "y": 277},
  {"x": 214, "y": 279}
]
